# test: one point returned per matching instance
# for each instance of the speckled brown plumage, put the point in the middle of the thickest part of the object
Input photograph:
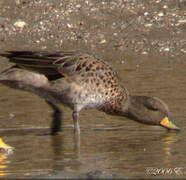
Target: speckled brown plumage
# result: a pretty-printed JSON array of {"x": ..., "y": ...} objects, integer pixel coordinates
[{"x": 79, "y": 81}]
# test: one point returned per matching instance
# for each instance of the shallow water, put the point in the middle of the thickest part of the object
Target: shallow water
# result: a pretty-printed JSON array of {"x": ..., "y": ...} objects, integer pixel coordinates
[{"x": 108, "y": 143}]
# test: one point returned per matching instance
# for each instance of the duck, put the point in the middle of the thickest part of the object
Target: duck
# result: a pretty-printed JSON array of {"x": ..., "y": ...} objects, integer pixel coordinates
[
  {"x": 5, "y": 147},
  {"x": 80, "y": 81}
]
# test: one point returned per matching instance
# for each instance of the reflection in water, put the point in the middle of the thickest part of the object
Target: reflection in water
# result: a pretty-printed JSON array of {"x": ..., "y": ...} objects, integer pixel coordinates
[
  {"x": 77, "y": 144},
  {"x": 168, "y": 142},
  {"x": 58, "y": 143},
  {"x": 3, "y": 164},
  {"x": 6, "y": 150}
]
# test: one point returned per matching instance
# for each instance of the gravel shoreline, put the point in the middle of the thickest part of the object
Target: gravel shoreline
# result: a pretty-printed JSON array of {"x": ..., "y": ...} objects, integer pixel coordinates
[{"x": 113, "y": 29}]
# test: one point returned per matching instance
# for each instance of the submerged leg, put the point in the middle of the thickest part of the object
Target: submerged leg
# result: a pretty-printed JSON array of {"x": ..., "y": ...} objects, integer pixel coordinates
[
  {"x": 56, "y": 121},
  {"x": 77, "y": 143},
  {"x": 76, "y": 124}
]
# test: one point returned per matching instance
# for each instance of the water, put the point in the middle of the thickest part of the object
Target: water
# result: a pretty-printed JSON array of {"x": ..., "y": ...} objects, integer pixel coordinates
[{"x": 108, "y": 143}]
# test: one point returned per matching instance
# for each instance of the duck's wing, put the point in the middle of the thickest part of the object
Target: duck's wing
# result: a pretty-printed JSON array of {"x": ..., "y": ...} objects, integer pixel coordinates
[
  {"x": 65, "y": 63},
  {"x": 39, "y": 61}
]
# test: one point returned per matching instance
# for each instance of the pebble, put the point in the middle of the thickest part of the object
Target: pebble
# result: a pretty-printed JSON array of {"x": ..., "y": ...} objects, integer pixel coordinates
[
  {"x": 20, "y": 24},
  {"x": 167, "y": 49},
  {"x": 78, "y": 6},
  {"x": 181, "y": 22},
  {"x": 146, "y": 13},
  {"x": 69, "y": 25},
  {"x": 160, "y": 14},
  {"x": 148, "y": 25},
  {"x": 144, "y": 52},
  {"x": 11, "y": 116},
  {"x": 102, "y": 41},
  {"x": 165, "y": 7}
]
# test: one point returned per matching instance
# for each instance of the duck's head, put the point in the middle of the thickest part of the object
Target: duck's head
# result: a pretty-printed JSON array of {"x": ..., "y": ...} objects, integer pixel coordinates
[{"x": 150, "y": 110}]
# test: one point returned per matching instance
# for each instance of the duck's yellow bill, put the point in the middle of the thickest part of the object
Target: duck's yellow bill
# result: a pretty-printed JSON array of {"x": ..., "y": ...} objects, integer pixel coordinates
[
  {"x": 165, "y": 122},
  {"x": 4, "y": 146}
]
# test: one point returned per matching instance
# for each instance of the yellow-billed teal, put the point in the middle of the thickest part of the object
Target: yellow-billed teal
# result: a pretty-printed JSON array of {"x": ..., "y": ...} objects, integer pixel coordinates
[{"x": 80, "y": 81}]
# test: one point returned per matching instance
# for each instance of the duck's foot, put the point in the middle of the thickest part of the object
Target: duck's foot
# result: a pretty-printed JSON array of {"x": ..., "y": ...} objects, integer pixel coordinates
[{"x": 75, "y": 115}]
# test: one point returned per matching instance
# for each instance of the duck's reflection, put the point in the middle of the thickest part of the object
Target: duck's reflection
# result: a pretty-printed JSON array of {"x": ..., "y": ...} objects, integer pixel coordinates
[
  {"x": 63, "y": 156},
  {"x": 168, "y": 142},
  {"x": 5, "y": 150},
  {"x": 115, "y": 147},
  {"x": 3, "y": 163}
]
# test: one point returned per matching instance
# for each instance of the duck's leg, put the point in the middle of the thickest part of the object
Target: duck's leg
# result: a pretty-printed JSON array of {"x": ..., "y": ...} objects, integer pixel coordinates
[
  {"x": 75, "y": 115},
  {"x": 77, "y": 143},
  {"x": 56, "y": 121}
]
